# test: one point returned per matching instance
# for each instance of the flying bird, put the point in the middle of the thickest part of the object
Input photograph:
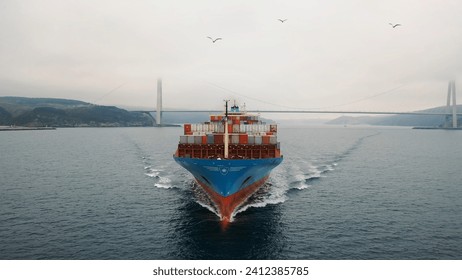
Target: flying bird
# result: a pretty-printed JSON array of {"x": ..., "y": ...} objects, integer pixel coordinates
[
  {"x": 282, "y": 20},
  {"x": 394, "y": 25},
  {"x": 214, "y": 40}
]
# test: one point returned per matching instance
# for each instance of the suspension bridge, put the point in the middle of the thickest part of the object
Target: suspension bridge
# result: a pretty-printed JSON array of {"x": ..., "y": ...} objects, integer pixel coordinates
[{"x": 450, "y": 113}]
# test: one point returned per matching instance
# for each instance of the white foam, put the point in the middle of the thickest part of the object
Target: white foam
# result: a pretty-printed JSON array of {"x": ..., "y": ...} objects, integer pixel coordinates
[
  {"x": 303, "y": 186},
  {"x": 209, "y": 207},
  {"x": 163, "y": 186},
  {"x": 261, "y": 204},
  {"x": 154, "y": 174},
  {"x": 164, "y": 183}
]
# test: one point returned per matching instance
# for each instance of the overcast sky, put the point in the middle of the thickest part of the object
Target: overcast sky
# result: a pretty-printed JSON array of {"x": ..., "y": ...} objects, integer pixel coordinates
[{"x": 331, "y": 54}]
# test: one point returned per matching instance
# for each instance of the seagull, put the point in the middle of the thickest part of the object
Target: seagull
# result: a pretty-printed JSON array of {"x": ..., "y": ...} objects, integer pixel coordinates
[
  {"x": 282, "y": 20},
  {"x": 394, "y": 25},
  {"x": 214, "y": 40}
]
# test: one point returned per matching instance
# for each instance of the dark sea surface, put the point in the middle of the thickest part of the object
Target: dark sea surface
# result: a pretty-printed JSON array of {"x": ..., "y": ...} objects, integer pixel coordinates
[{"x": 340, "y": 193}]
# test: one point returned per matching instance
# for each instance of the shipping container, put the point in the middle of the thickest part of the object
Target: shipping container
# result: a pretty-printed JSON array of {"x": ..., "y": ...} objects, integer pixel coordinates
[
  {"x": 265, "y": 139},
  {"x": 235, "y": 139},
  {"x": 243, "y": 138},
  {"x": 218, "y": 138},
  {"x": 273, "y": 139},
  {"x": 221, "y": 128},
  {"x": 210, "y": 139},
  {"x": 187, "y": 128},
  {"x": 251, "y": 139},
  {"x": 197, "y": 139},
  {"x": 190, "y": 139},
  {"x": 258, "y": 140},
  {"x": 183, "y": 139}
]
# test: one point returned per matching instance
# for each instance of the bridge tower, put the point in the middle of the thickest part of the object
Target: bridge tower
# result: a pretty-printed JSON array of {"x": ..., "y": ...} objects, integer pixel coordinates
[
  {"x": 451, "y": 97},
  {"x": 159, "y": 103}
]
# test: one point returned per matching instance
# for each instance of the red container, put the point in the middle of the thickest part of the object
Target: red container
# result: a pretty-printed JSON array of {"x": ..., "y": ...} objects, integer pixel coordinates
[
  {"x": 243, "y": 139},
  {"x": 265, "y": 139},
  {"x": 187, "y": 128},
  {"x": 218, "y": 139},
  {"x": 204, "y": 139}
]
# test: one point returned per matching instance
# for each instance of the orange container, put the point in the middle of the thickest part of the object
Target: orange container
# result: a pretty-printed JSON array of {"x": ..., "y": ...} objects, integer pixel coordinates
[
  {"x": 243, "y": 139},
  {"x": 265, "y": 139},
  {"x": 230, "y": 128},
  {"x": 204, "y": 139}
]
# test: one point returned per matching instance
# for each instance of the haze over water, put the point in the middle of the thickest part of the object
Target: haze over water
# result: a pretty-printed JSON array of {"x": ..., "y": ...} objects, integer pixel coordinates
[{"x": 341, "y": 193}]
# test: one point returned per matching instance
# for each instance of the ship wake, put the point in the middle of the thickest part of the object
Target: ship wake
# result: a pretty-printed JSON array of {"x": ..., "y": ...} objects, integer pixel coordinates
[
  {"x": 162, "y": 176},
  {"x": 273, "y": 192}
]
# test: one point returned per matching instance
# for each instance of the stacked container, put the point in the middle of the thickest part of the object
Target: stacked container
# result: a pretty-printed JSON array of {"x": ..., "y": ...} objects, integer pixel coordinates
[{"x": 247, "y": 136}]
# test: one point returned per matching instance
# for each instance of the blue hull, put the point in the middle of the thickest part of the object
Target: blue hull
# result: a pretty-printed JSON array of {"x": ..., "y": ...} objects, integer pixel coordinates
[{"x": 228, "y": 177}]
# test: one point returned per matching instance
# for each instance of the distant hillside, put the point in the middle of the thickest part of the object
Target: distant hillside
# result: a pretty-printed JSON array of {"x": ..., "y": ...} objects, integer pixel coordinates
[
  {"x": 400, "y": 120},
  {"x": 22, "y": 111}
]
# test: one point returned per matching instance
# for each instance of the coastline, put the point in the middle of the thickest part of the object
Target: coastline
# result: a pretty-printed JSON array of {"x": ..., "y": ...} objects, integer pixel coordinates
[{"x": 23, "y": 128}]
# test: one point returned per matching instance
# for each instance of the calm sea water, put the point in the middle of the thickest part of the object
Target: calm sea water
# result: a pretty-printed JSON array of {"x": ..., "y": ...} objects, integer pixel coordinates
[{"x": 341, "y": 193}]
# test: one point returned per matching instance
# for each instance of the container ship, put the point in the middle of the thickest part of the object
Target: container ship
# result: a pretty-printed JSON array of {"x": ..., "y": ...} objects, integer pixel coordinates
[{"x": 230, "y": 156}]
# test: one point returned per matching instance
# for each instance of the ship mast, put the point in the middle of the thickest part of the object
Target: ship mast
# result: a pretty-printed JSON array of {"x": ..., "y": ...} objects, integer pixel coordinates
[{"x": 226, "y": 137}]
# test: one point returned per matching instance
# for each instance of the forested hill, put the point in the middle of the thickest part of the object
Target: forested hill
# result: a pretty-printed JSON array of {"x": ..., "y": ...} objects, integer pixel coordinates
[{"x": 35, "y": 112}]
